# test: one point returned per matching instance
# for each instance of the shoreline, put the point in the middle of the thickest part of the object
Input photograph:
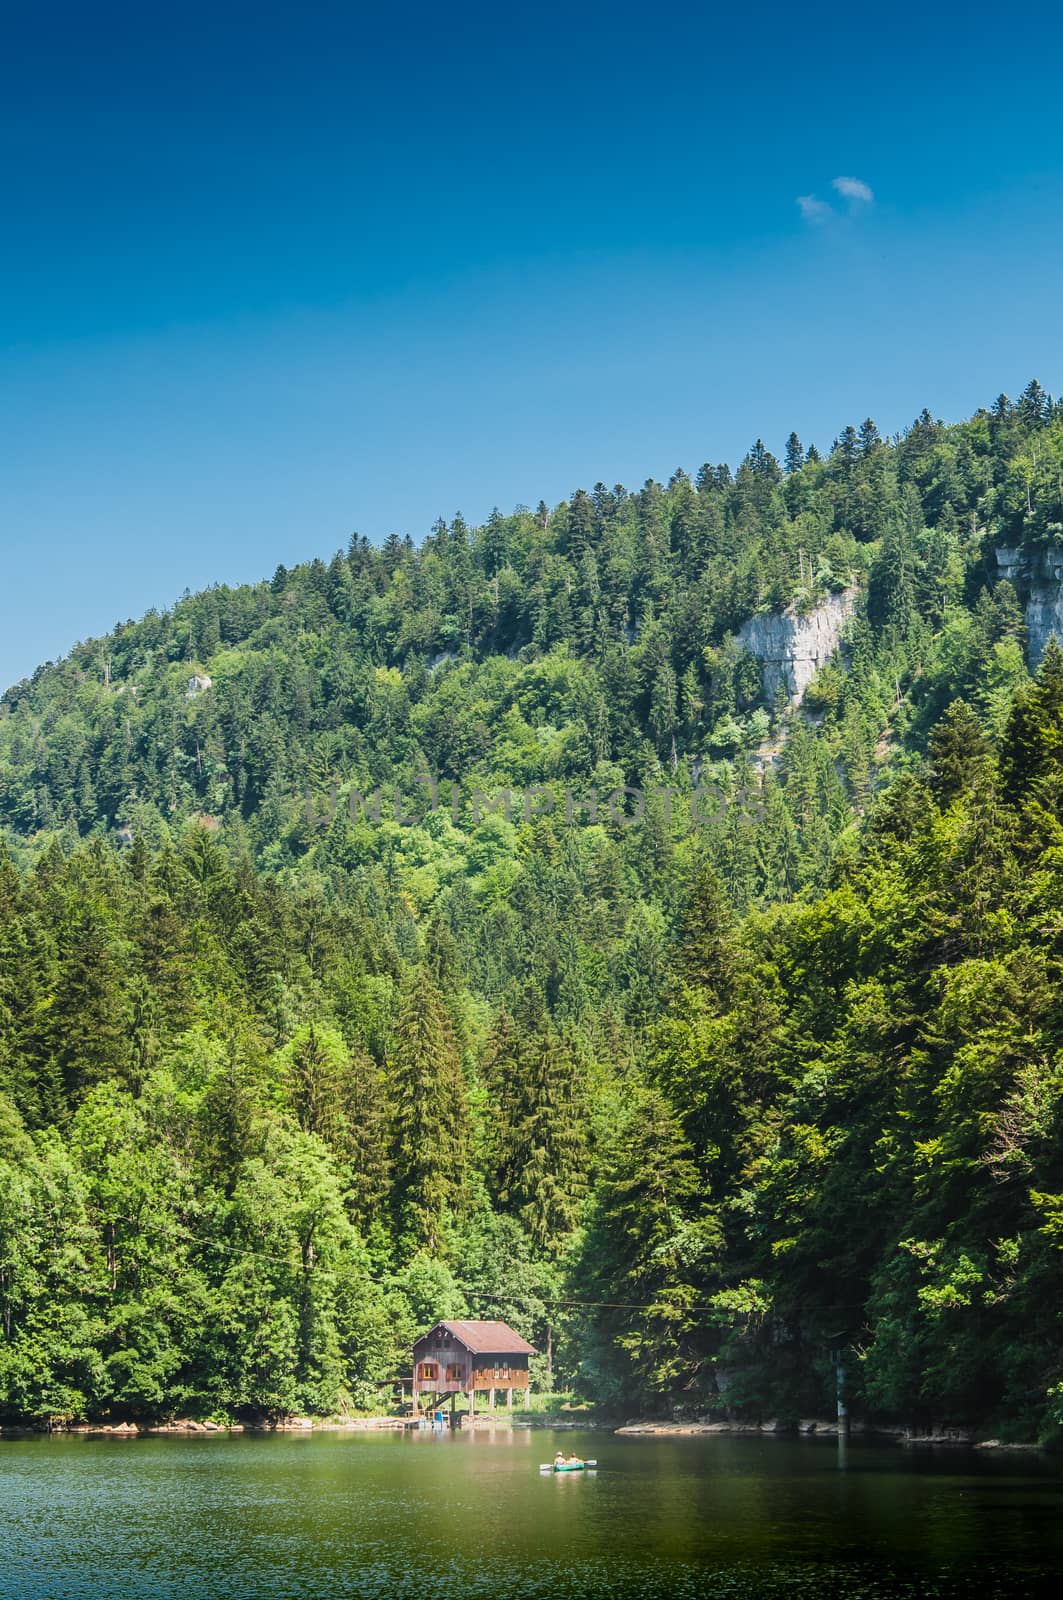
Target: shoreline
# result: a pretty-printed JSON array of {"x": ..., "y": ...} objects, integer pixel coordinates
[
  {"x": 188, "y": 1425},
  {"x": 808, "y": 1429},
  {"x": 884, "y": 1434}
]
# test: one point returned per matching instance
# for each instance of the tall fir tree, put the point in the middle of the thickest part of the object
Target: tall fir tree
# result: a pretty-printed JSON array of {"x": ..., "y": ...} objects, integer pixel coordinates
[{"x": 432, "y": 1115}]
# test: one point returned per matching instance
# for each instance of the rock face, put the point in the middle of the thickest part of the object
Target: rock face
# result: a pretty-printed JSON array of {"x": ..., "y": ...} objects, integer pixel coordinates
[
  {"x": 1008, "y": 557},
  {"x": 1044, "y": 617},
  {"x": 791, "y": 649},
  {"x": 1043, "y": 579}
]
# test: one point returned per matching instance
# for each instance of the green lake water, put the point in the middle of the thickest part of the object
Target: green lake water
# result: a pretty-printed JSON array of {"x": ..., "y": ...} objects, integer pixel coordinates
[{"x": 221, "y": 1517}]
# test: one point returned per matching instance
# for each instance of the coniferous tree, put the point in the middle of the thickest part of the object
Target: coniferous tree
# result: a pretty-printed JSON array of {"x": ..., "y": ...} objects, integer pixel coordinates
[
  {"x": 1032, "y": 751},
  {"x": 795, "y": 454},
  {"x": 367, "y": 1144},
  {"x": 543, "y": 1168},
  {"x": 654, "y": 1245},
  {"x": 958, "y": 753},
  {"x": 706, "y": 931},
  {"x": 432, "y": 1116}
]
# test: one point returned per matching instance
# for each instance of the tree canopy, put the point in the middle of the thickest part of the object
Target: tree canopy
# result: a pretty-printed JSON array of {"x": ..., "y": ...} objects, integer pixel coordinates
[{"x": 335, "y": 996}]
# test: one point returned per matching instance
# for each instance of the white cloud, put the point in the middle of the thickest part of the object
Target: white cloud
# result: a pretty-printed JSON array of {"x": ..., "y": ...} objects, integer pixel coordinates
[
  {"x": 855, "y": 190},
  {"x": 814, "y": 209}
]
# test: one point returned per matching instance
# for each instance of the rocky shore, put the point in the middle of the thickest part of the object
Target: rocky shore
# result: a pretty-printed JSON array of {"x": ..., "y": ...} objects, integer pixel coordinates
[
  {"x": 810, "y": 1427},
  {"x": 964, "y": 1438}
]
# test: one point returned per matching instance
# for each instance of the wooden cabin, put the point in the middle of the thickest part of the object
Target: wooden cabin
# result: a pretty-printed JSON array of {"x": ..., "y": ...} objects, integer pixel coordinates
[{"x": 470, "y": 1358}]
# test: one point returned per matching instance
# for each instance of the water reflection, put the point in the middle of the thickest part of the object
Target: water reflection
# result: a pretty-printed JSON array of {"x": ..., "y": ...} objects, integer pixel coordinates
[{"x": 467, "y": 1515}]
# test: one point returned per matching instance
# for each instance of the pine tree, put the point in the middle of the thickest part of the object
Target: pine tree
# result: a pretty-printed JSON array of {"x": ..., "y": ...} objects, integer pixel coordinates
[
  {"x": 314, "y": 1066},
  {"x": 653, "y": 1243},
  {"x": 500, "y": 1076},
  {"x": 846, "y": 451},
  {"x": 707, "y": 927},
  {"x": 432, "y": 1116},
  {"x": 795, "y": 454},
  {"x": 1033, "y": 740},
  {"x": 870, "y": 438},
  {"x": 543, "y": 1167},
  {"x": 581, "y": 524},
  {"x": 88, "y": 1028},
  {"x": 1033, "y": 407},
  {"x": 891, "y": 598},
  {"x": 368, "y": 1143},
  {"x": 958, "y": 754},
  {"x": 20, "y": 993}
]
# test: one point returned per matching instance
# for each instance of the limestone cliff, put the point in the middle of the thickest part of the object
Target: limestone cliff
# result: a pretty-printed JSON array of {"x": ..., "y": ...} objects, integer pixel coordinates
[
  {"x": 791, "y": 648},
  {"x": 1040, "y": 577}
]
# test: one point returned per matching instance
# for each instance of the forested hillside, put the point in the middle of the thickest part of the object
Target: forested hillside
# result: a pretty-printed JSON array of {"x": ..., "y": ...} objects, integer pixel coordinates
[{"x": 308, "y": 1036}]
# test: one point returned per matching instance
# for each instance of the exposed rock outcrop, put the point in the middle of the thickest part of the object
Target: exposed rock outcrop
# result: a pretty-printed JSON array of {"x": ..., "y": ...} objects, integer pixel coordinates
[
  {"x": 791, "y": 648},
  {"x": 1041, "y": 577},
  {"x": 1044, "y": 616},
  {"x": 1009, "y": 560}
]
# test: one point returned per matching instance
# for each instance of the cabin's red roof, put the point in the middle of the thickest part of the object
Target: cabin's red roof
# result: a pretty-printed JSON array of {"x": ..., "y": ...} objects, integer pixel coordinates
[{"x": 486, "y": 1338}]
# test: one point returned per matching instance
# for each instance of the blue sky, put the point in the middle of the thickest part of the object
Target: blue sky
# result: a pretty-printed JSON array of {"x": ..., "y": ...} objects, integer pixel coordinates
[{"x": 270, "y": 274}]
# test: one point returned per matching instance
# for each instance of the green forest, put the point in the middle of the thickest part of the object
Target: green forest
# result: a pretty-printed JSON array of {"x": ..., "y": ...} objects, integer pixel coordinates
[{"x": 309, "y": 1036}]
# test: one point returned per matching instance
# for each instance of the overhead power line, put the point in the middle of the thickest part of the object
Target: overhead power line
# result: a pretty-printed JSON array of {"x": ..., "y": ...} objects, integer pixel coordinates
[{"x": 501, "y": 1298}]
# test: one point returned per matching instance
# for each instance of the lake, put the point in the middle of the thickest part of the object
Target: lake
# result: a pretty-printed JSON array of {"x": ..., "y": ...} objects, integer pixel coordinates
[{"x": 418, "y": 1515}]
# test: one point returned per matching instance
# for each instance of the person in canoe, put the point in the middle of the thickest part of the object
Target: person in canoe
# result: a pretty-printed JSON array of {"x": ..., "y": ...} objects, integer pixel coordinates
[{"x": 563, "y": 1463}]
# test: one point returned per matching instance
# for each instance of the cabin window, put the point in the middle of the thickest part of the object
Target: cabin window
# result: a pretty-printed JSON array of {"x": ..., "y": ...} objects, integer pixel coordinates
[
  {"x": 428, "y": 1369},
  {"x": 454, "y": 1373},
  {"x": 501, "y": 1372}
]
